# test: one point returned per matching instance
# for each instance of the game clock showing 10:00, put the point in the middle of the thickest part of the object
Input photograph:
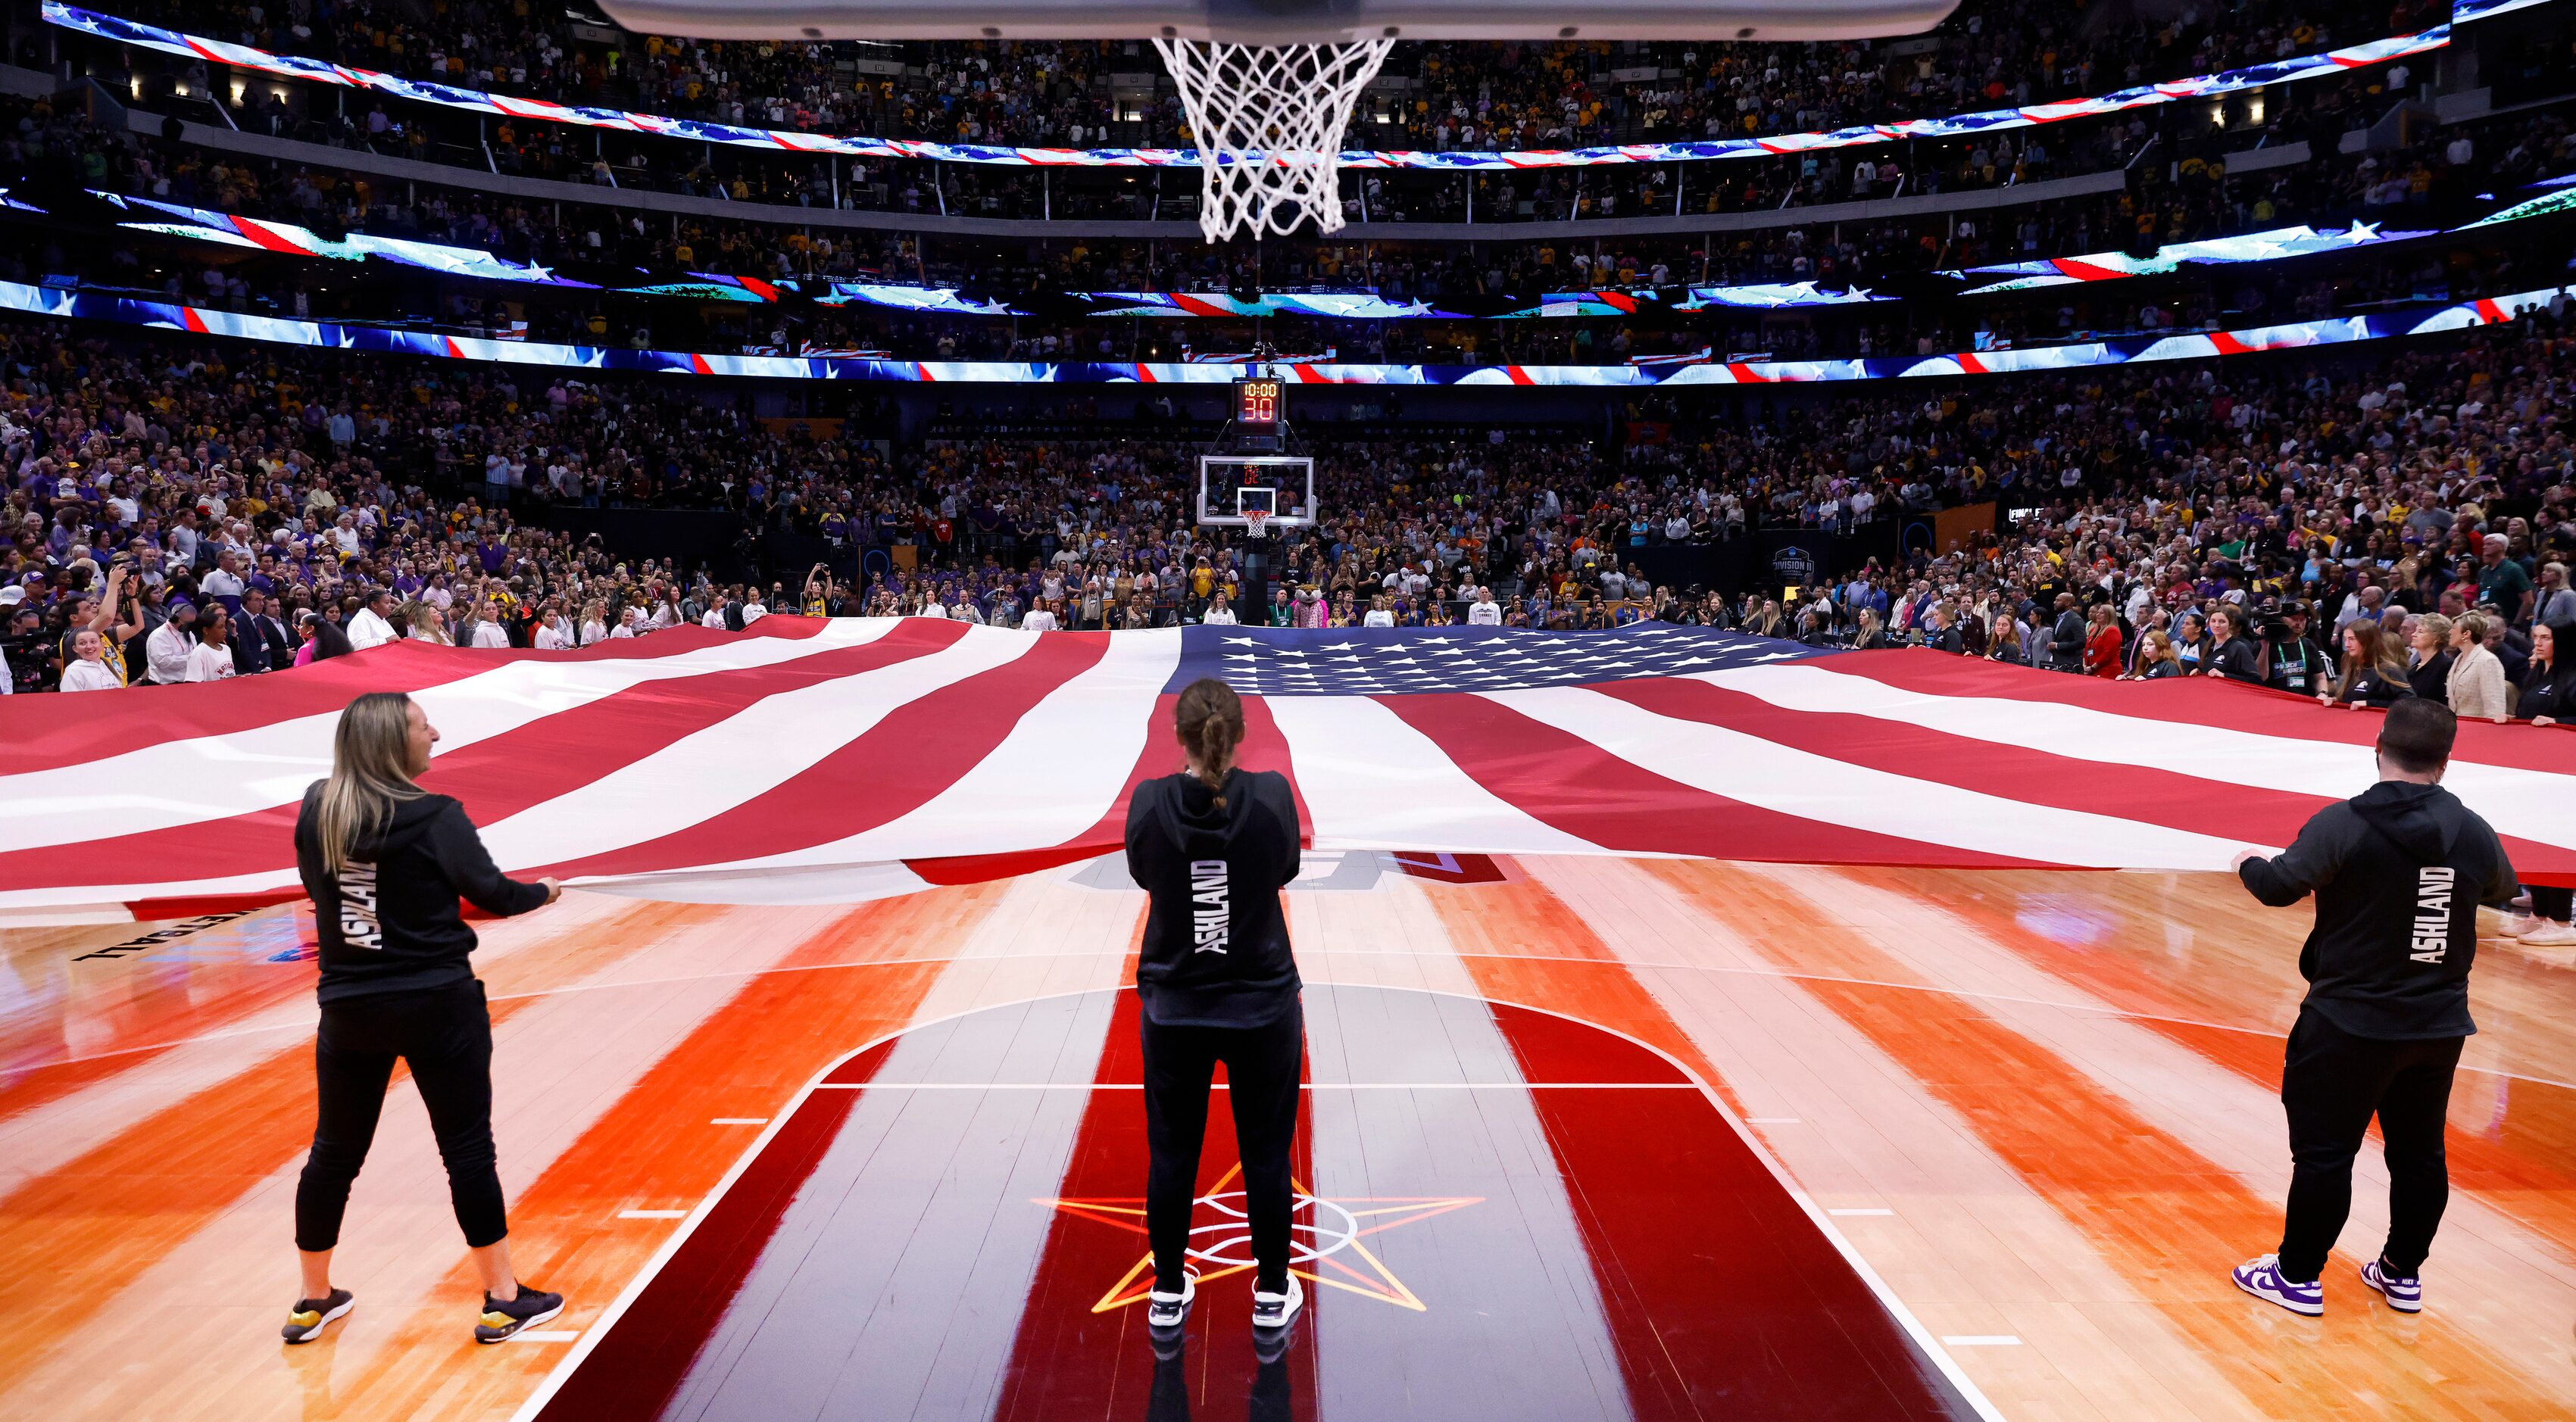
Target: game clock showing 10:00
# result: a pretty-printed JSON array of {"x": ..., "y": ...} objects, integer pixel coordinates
[{"x": 1256, "y": 403}]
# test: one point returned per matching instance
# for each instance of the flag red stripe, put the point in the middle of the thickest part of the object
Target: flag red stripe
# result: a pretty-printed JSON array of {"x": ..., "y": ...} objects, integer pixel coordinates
[
  {"x": 2191, "y": 701},
  {"x": 49, "y": 732},
  {"x": 1161, "y": 756},
  {"x": 916, "y": 751},
  {"x": 2248, "y": 813},
  {"x": 2037, "y": 777},
  {"x": 496, "y": 777},
  {"x": 1264, "y": 748},
  {"x": 1565, "y": 781}
]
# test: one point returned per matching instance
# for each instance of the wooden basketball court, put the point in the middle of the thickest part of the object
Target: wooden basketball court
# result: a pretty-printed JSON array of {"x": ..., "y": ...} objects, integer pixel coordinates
[{"x": 1585, "y": 1137}]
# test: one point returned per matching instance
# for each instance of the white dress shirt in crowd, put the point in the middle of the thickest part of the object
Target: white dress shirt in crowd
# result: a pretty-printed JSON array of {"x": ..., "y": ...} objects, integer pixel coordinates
[
  {"x": 368, "y": 630},
  {"x": 165, "y": 654},
  {"x": 1220, "y": 616},
  {"x": 208, "y": 662},
  {"x": 1378, "y": 617},
  {"x": 89, "y": 676},
  {"x": 1039, "y": 621},
  {"x": 491, "y": 634}
]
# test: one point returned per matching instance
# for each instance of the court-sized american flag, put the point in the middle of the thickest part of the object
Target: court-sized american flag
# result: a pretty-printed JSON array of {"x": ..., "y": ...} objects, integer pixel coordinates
[{"x": 822, "y": 761}]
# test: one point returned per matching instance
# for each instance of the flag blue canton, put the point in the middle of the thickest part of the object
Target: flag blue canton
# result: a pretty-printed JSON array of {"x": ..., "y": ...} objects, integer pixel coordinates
[{"x": 1370, "y": 661}]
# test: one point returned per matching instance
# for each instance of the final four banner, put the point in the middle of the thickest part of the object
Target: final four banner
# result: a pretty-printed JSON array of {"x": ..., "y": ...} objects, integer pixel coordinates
[
  {"x": 2297, "y": 335},
  {"x": 287, "y": 66}
]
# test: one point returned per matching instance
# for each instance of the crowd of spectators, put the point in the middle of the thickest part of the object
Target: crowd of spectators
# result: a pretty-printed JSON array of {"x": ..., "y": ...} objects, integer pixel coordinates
[
  {"x": 1988, "y": 53},
  {"x": 149, "y": 486}
]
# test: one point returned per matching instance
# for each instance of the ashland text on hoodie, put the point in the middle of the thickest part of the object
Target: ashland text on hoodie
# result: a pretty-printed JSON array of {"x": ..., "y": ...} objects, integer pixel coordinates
[
  {"x": 2399, "y": 871},
  {"x": 1216, "y": 945},
  {"x": 388, "y": 921}
]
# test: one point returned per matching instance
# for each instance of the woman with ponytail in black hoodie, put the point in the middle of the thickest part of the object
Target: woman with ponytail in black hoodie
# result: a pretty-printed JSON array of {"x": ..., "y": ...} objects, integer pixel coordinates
[
  {"x": 1213, "y": 845},
  {"x": 386, "y": 862}
]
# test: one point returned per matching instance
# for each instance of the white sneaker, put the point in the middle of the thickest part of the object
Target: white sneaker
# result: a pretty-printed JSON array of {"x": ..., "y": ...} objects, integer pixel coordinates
[
  {"x": 2546, "y": 933},
  {"x": 1275, "y": 1311},
  {"x": 2515, "y": 925},
  {"x": 1164, "y": 1310}
]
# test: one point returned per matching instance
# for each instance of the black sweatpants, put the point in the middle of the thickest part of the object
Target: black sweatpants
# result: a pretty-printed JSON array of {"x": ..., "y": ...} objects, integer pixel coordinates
[
  {"x": 2552, "y": 903},
  {"x": 1261, "y": 1066},
  {"x": 2331, "y": 1085},
  {"x": 446, "y": 1036}
]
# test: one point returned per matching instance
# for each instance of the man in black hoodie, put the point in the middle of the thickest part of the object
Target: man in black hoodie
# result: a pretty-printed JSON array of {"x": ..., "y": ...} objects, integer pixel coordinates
[{"x": 2399, "y": 871}]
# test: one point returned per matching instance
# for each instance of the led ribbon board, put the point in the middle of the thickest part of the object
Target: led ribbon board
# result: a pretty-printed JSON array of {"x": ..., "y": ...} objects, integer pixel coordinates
[{"x": 2205, "y": 86}]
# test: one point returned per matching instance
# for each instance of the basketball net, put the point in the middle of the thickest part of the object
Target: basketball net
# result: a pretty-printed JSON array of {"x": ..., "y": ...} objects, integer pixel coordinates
[
  {"x": 1269, "y": 121},
  {"x": 1256, "y": 524}
]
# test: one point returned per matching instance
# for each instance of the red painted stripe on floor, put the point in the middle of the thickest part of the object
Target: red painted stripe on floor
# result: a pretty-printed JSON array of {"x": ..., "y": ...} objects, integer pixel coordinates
[{"x": 1724, "y": 1298}]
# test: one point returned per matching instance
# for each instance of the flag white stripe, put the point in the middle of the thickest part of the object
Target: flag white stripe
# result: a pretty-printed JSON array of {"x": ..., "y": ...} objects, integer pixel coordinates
[
  {"x": 829, "y": 884},
  {"x": 1373, "y": 782},
  {"x": 1746, "y": 767},
  {"x": 204, "y": 778},
  {"x": 74, "y": 898},
  {"x": 2532, "y": 804},
  {"x": 1057, "y": 772},
  {"x": 755, "y": 750}
]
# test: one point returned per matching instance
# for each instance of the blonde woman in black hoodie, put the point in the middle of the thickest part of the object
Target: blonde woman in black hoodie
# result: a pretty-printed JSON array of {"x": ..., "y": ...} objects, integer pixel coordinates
[
  {"x": 1213, "y": 846},
  {"x": 385, "y": 862}
]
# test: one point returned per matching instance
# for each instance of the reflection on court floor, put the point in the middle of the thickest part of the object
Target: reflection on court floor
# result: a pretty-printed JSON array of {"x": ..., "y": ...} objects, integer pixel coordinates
[{"x": 1503, "y": 1214}]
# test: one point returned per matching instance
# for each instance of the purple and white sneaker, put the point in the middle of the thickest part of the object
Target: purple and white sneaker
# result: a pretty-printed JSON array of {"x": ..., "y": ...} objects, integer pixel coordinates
[
  {"x": 2403, "y": 1295},
  {"x": 2262, "y": 1278}
]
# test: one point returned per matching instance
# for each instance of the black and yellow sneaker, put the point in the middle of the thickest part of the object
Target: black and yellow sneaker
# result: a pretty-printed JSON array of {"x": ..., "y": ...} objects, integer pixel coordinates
[
  {"x": 311, "y": 1316},
  {"x": 503, "y": 1321}
]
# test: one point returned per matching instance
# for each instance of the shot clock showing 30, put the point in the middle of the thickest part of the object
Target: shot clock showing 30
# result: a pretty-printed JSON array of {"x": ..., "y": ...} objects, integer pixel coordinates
[{"x": 1256, "y": 405}]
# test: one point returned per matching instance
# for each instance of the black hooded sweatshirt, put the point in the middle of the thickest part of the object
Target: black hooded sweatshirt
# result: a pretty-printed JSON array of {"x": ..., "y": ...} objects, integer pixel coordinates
[
  {"x": 2399, "y": 871},
  {"x": 389, "y": 922},
  {"x": 1216, "y": 944}
]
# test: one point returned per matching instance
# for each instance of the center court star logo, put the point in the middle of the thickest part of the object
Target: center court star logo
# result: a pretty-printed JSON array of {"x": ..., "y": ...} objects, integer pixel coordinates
[{"x": 1323, "y": 1238}]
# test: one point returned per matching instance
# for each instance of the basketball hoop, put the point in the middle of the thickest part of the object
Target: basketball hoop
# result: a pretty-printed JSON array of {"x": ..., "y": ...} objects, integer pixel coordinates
[
  {"x": 1269, "y": 121},
  {"x": 1256, "y": 524}
]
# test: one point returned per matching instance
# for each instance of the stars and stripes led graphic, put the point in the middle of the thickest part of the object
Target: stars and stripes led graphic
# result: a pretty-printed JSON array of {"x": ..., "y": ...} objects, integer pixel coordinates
[
  {"x": 1368, "y": 661},
  {"x": 815, "y": 761},
  {"x": 2203, "y": 86},
  {"x": 35, "y": 300}
]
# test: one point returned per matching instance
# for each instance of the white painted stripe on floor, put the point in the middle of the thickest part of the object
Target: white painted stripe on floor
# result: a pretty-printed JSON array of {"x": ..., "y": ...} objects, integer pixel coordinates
[
  {"x": 1850, "y": 1214},
  {"x": 1980, "y": 1340},
  {"x": 652, "y": 1214},
  {"x": 739, "y": 1121},
  {"x": 545, "y": 1335}
]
